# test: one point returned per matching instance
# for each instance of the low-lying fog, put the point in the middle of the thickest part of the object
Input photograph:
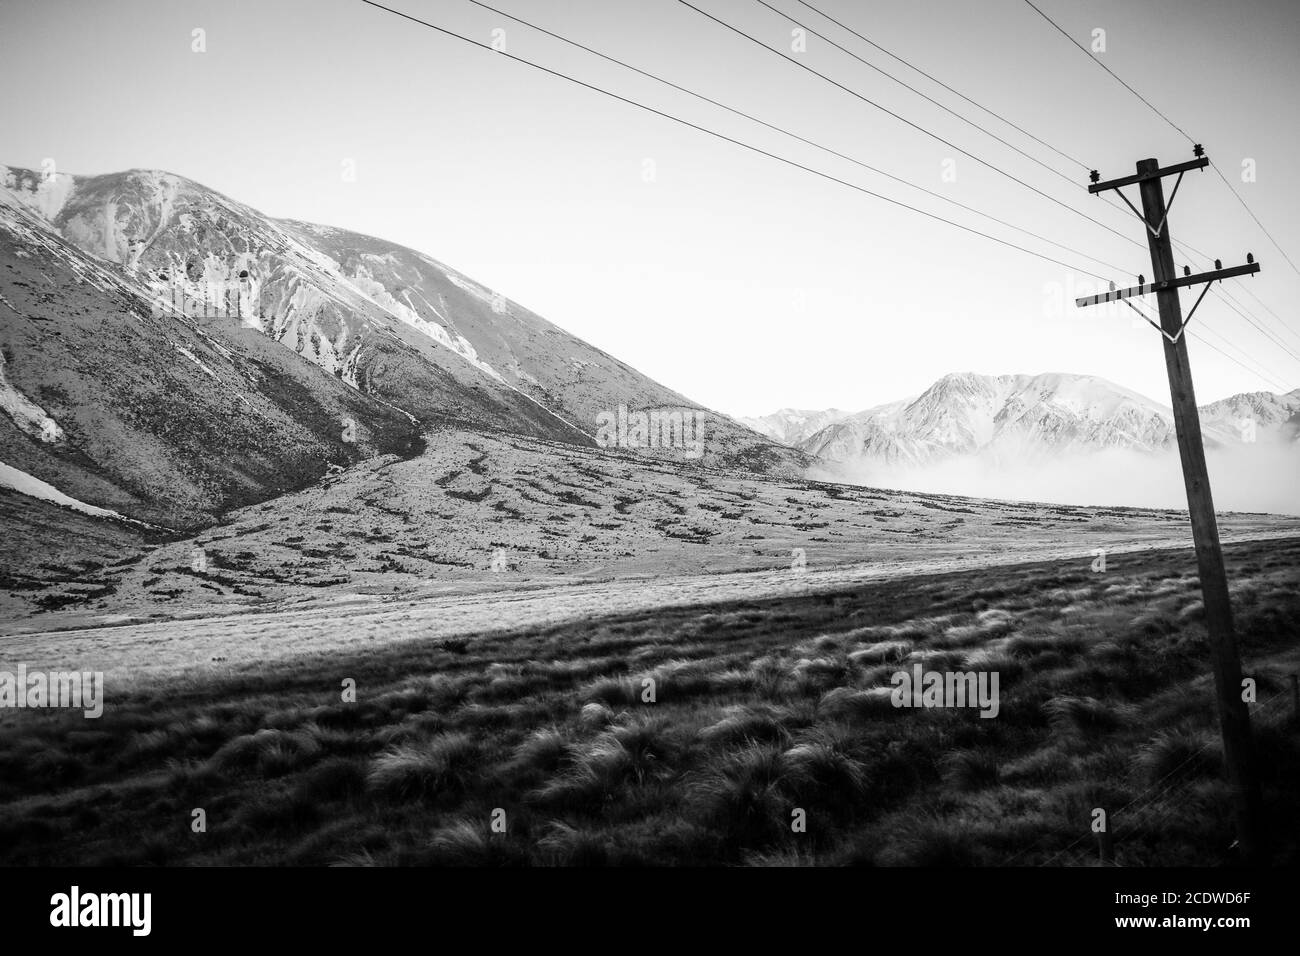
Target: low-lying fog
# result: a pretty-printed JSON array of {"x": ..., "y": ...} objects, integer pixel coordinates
[{"x": 1264, "y": 476}]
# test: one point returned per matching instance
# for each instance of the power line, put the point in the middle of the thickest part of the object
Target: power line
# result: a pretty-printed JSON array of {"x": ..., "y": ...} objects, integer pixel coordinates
[
  {"x": 940, "y": 82},
  {"x": 1263, "y": 331},
  {"x": 993, "y": 113},
  {"x": 1110, "y": 71},
  {"x": 793, "y": 135},
  {"x": 1264, "y": 305},
  {"x": 789, "y": 162},
  {"x": 1234, "y": 192},
  {"x": 903, "y": 119},
  {"x": 1240, "y": 308},
  {"x": 729, "y": 139},
  {"x": 907, "y": 86},
  {"x": 1258, "y": 370},
  {"x": 785, "y": 132},
  {"x": 1252, "y": 215}
]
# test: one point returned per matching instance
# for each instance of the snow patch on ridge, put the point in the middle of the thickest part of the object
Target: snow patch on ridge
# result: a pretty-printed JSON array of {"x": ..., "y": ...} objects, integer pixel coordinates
[
  {"x": 47, "y": 195},
  {"x": 26, "y": 414},
  {"x": 193, "y": 358},
  {"x": 33, "y": 487},
  {"x": 378, "y": 293},
  {"x": 473, "y": 288},
  {"x": 29, "y": 230}
]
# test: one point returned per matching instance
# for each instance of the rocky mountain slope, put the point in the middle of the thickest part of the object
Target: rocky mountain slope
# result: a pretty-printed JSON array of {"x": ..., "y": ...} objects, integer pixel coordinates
[
  {"x": 1256, "y": 414},
  {"x": 790, "y": 426},
  {"x": 160, "y": 417},
  {"x": 1027, "y": 418},
  {"x": 385, "y": 320}
]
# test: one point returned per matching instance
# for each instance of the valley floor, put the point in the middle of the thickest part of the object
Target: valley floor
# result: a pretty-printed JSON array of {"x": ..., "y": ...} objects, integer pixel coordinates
[
  {"x": 486, "y": 531},
  {"x": 765, "y": 710},
  {"x": 501, "y": 603}
]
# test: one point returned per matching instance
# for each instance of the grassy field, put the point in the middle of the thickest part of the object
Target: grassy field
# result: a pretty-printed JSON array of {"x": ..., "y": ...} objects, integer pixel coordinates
[
  {"x": 762, "y": 708},
  {"x": 389, "y": 528}
]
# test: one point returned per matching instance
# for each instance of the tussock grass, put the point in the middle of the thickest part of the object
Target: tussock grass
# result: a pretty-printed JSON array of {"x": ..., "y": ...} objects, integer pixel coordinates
[
  {"x": 761, "y": 709},
  {"x": 1081, "y": 716},
  {"x": 545, "y": 750},
  {"x": 272, "y": 752},
  {"x": 334, "y": 778},
  {"x": 357, "y": 858},
  {"x": 849, "y": 704},
  {"x": 781, "y": 858},
  {"x": 565, "y": 845},
  {"x": 1000, "y": 659},
  {"x": 742, "y": 724},
  {"x": 970, "y": 769},
  {"x": 471, "y": 843},
  {"x": 743, "y": 796},
  {"x": 881, "y": 652},
  {"x": 826, "y": 767},
  {"x": 929, "y": 840},
  {"x": 1181, "y": 753},
  {"x": 425, "y": 769}
]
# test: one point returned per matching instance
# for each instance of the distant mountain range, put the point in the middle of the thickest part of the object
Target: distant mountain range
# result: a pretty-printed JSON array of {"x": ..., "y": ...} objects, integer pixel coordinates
[
  {"x": 169, "y": 352},
  {"x": 1020, "y": 418},
  {"x": 790, "y": 426}
]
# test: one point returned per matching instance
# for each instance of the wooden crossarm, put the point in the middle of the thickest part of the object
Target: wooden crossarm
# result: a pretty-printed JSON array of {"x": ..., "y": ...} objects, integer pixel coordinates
[
  {"x": 1118, "y": 294},
  {"x": 1200, "y": 163}
]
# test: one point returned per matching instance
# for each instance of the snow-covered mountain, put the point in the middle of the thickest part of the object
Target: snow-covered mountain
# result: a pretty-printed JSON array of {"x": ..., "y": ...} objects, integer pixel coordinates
[
  {"x": 1023, "y": 418},
  {"x": 112, "y": 406},
  {"x": 1256, "y": 413},
  {"x": 790, "y": 426},
  {"x": 386, "y": 320}
]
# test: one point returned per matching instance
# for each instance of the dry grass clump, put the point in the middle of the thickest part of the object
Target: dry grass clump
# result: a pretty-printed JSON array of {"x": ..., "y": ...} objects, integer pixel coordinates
[{"x": 422, "y": 770}]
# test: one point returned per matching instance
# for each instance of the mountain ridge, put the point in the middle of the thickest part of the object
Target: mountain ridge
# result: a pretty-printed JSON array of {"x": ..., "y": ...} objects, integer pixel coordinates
[
  {"x": 170, "y": 353},
  {"x": 966, "y": 413},
  {"x": 388, "y": 320}
]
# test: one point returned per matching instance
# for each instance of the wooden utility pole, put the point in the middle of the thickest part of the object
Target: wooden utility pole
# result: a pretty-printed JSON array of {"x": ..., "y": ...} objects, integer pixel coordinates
[{"x": 1234, "y": 718}]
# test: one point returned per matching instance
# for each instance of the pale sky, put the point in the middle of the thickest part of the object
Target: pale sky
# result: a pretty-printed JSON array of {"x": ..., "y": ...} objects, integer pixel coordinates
[{"x": 743, "y": 283}]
